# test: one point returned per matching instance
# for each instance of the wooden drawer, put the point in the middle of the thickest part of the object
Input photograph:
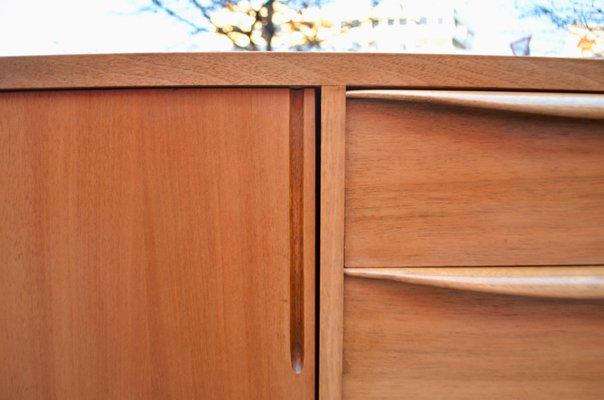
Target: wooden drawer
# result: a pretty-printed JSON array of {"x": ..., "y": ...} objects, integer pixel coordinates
[
  {"x": 404, "y": 341},
  {"x": 466, "y": 180}
]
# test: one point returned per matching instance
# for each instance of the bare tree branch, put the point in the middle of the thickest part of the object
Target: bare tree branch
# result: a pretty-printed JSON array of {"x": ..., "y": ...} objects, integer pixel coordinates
[
  {"x": 262, "y": 25},
  {"x": 587, "y": 14},
  {"x": 174, "y": 14}
]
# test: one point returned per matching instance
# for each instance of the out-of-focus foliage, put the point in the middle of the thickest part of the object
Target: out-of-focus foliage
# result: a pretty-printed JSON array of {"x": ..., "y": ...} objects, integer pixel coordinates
[
  {"x": 583, "y": 19},
  {"x": 587, "y": 14},
  {"x": 251, "y": 24}
]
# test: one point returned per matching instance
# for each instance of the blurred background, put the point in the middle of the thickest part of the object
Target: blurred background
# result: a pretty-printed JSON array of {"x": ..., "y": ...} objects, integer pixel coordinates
[{"x": 551, "y": 28}]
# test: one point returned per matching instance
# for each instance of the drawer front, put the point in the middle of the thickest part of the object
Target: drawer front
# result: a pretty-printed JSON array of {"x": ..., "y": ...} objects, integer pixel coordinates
[
  {"x": 418, "y": 342},
  {"x": 431, "y": 184}
]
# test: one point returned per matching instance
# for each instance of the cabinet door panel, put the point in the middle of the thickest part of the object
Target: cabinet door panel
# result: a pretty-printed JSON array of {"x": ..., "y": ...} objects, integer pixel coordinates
[{"x": 146, "y": 244}]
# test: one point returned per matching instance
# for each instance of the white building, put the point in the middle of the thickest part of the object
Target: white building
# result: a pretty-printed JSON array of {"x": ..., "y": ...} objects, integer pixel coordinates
[{"x": 401, "y": 26}]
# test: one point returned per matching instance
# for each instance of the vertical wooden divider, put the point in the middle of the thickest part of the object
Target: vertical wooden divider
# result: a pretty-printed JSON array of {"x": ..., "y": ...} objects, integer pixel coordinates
[{"x": 331, "y": 253}]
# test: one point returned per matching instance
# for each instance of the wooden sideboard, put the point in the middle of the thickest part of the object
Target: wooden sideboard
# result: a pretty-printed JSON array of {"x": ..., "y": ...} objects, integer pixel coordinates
[{"x": 299, "y": 226}]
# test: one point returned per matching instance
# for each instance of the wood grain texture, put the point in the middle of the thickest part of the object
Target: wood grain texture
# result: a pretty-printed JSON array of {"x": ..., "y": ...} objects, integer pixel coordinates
[
  {"x": 414, "y": 342},
  {"x": 145, "y": 246},
  {"x": 571, "y": 105},
  {"x": 306, "y": 69},
  {"x": 574, "y": 282},
  {"x": 434, "y": 185},
  {"x": 333, "y": 111}
]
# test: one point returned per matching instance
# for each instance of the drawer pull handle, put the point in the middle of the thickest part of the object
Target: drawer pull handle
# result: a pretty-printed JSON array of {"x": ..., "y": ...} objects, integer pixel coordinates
[
  {"x": 587, "y": 106},
  {"x": 296, "y": 233},
  {"x": 553, "y": 282}
]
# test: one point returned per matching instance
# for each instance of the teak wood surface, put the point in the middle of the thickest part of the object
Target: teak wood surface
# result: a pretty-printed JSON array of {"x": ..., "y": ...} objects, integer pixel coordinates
[
  {"x": 116, "y": 202},
  {"x": 301, "y": 69},
  {"x": 146, "y": 244},
  {"x": 405, "y": 341},
  {"x": 437, "y": 185}
]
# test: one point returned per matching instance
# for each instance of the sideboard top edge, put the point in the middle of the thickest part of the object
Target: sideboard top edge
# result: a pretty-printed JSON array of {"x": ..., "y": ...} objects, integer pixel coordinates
[{"x": 300, "y": 69}]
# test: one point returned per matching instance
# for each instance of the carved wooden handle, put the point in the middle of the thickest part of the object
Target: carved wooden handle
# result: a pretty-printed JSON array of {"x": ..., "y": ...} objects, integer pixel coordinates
[
  {"x": 589, "y": 106},
  {"x": 553, "y": 282},
  {"x": 296, "y": 216}
]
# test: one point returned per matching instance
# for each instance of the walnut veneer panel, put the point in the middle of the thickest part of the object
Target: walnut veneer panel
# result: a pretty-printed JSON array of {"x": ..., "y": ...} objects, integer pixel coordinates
[
  {"x": 404, "y": 341},
  {"x": 145, "y": 244},
  {"x": 438, "y": 185}
]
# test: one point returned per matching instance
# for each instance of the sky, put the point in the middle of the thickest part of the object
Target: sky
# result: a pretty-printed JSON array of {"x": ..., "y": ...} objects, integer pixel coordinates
[{"x": 38, "y": 27}]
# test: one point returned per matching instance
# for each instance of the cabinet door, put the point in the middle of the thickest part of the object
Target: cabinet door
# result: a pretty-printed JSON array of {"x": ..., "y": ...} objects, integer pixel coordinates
[{"x": 157, "y": 244}]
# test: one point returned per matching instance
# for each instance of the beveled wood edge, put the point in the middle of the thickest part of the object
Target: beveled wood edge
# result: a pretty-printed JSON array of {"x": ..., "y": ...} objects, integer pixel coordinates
[
  {"x": 331, "y": 237},
  {"x": 561, "y": 282},
  {"x": 570, "y": 105},
  {"x": 301, "y": 69}
]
